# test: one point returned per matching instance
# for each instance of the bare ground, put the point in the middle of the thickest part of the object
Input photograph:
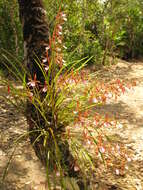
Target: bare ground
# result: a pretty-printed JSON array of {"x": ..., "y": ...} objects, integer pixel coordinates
[{"x": 25, "y": 172}]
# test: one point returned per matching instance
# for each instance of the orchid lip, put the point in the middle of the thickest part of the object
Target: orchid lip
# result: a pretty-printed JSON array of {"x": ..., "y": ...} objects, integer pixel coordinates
[{"x": 44, "y": 60}]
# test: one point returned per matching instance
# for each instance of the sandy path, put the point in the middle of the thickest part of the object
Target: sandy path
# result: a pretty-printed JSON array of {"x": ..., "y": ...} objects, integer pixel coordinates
[
  {"x": 128, "y": 110},
  {"x": 26, "y": 172}
]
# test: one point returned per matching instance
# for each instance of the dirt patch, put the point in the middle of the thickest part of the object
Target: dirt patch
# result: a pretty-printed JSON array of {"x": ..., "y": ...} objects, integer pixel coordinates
[
  {"x": 128, "y": 110},
  {"x": 25, "y": 171}
]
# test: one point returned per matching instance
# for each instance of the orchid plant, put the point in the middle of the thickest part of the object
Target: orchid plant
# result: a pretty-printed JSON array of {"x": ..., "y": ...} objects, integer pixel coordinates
[{"x": 73, "y": 94}]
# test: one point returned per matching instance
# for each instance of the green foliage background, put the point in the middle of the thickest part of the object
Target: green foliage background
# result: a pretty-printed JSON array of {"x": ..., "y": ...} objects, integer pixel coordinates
[
  {"x": 96, "y": 28},
  {"x": 10, "y": 27}
]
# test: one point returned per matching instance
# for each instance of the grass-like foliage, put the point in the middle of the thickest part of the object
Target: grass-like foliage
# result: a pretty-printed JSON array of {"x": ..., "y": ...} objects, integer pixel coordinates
[{"x": 71, "y": 95}]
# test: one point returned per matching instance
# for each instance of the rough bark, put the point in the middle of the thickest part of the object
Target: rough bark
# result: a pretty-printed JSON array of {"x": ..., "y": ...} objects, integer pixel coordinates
[{"x": 35, "y": 33}]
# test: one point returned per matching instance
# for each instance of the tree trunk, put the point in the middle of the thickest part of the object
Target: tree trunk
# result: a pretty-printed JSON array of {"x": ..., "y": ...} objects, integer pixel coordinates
[
  {"x": 36, "y": 36},
  {"x": 36, "y": 39}
]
